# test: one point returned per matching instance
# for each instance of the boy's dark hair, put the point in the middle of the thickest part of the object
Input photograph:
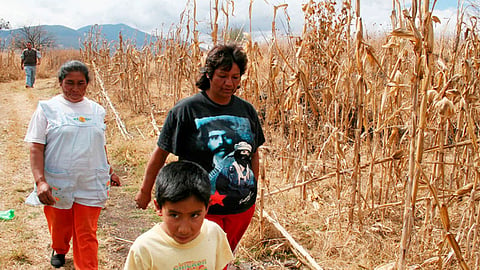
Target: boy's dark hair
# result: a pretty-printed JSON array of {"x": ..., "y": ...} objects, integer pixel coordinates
[
  {"x": 179, "y": 180},
  {"x": 222, "y": 57}
]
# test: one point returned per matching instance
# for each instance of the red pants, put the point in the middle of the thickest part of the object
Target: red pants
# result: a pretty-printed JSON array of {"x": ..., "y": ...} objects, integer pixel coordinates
[
  {"x": 233, "y": 225},
  {"x": 79, "y": 223}
]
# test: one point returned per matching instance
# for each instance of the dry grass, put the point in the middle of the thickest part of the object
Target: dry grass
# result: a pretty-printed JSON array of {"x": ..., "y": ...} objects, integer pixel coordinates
[
  {"x": 369, "y": 157},
  {"x": 51, "y": 61}
]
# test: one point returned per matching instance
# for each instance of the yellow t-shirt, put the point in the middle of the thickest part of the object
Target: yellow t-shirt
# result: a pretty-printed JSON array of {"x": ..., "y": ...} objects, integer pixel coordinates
[{"x": 155, "y": 249}]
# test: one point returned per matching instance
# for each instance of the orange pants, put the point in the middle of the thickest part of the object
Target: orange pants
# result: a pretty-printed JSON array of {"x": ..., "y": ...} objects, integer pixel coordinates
[{"x": 79, "y": 223}]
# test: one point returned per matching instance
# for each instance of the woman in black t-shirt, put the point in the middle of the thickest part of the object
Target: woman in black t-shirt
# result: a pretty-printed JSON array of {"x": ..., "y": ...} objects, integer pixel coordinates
[{"x": 207, "y": 128}]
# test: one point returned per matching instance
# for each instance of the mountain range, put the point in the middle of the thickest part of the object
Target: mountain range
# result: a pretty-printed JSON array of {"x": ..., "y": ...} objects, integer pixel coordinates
[{"x": 68, "y": 38}]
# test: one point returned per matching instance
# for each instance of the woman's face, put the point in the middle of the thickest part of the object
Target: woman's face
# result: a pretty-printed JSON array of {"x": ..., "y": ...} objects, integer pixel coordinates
[
  {"x": 224, "y": 84},
  {"x": 74, "y": 86}
]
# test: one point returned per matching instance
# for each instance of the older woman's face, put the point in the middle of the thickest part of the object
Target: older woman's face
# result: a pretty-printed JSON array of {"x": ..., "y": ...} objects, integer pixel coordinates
[
  {"x": 74, "y": 86},
  {"x": 224, "y": 84}
]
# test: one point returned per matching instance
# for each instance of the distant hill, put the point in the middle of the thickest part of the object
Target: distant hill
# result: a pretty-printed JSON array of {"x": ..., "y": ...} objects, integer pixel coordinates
[{"x": 67, "y": 38}]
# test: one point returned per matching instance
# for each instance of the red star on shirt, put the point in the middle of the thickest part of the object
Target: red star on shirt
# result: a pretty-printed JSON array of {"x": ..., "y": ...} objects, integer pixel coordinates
[{"x": 217, "y": 198}]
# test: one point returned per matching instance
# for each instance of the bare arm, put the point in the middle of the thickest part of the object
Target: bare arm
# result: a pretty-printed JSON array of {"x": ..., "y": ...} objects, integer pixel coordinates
[
  {"x": 156, "y": 162},
  {"x": 37, "y": 163},
  {"x": 114, "y": 179},
  {"x": 39, "y": 56}
]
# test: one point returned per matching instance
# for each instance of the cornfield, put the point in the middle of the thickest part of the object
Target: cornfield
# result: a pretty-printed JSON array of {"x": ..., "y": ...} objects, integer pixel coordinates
[{"x": 372, "y": 154}]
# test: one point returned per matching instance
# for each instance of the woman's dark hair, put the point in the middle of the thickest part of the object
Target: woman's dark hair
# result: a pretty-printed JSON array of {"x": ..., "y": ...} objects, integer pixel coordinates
[
  {"x": 70, "y": 66},
  {"x": 179, "y": 180},
  {"x": 222, "y": 56}
]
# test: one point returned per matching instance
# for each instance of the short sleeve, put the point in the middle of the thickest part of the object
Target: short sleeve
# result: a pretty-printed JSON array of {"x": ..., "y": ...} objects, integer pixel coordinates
[
  {"x": 259, "y": 136},
  {"x": 37, "y": 128},
  {"x": 168, "y": 134},
  {"x": 256, "y": 127}
]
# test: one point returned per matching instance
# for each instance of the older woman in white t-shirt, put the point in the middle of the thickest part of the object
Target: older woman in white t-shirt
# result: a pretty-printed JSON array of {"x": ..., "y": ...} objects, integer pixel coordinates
[{"x": 66, "y": 136}]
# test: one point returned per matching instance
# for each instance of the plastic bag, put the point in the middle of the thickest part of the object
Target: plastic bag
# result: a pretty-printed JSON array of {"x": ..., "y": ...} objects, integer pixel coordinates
[
  {"x": 32, "y": 199},
  {"x": 7, "y": 215}
]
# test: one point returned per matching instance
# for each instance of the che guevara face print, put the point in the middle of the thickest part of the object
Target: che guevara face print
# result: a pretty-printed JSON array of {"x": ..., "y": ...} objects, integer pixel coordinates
[{"x": 229, "y": 141}]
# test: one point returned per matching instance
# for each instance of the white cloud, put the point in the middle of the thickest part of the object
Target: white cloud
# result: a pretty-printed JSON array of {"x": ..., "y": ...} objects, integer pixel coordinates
[
  {"x": 448, "y": 21},
  {"x": 151, "y": 15},
  {"x": 376, "y": 17}
]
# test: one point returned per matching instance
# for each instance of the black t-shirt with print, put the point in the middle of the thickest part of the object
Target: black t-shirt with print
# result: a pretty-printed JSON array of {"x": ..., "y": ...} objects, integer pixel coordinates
[{"x": 202, "y": 131}]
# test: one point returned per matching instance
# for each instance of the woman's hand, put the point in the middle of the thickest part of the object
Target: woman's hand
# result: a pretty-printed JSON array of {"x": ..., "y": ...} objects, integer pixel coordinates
[
  {"x": 44, "y": 193},
  {"x": 115, "y": 180},
  {"x": 157, "y": 160},
  {"x": 142, "y": 199},
  {"x": 37, "y": 163}
]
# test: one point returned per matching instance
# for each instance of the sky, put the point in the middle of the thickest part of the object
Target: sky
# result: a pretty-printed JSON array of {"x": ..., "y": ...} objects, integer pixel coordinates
[{"x": 160, "y": 15}]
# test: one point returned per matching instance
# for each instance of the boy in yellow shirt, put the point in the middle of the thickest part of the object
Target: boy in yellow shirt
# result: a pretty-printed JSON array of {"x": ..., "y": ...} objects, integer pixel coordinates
[{"x": 184, "y": 239}]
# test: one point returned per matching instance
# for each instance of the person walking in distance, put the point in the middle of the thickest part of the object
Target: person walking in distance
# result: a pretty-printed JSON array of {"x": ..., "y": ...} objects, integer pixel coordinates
[{"x": 30, "y": 60}]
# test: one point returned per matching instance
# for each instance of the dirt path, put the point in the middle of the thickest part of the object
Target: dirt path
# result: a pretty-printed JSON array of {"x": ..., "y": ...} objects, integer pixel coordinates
[{"x": 24, "y": 241}]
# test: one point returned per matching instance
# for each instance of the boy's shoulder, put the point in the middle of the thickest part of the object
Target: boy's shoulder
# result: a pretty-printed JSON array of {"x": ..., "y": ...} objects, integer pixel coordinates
[
  {"x": 157, "y": 234},
  {"x": 212, "y": 230},
  {"x": 153, "y": 247},
  {"x": 212, "y": 226}
]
